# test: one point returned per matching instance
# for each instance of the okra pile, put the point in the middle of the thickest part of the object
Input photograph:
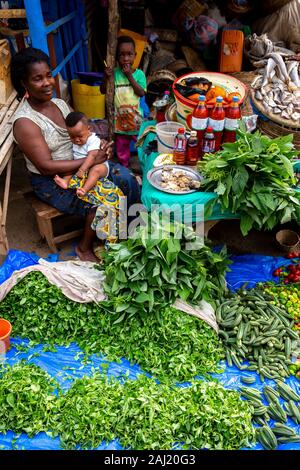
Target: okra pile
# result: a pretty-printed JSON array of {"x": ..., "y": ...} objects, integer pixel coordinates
[
  {"x": 280, "y": 432},
  {"x": 256, "y": 331}
]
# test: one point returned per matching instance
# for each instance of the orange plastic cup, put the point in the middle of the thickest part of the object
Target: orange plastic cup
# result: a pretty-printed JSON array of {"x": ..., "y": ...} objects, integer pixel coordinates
[{"x": 5, "y": 331}]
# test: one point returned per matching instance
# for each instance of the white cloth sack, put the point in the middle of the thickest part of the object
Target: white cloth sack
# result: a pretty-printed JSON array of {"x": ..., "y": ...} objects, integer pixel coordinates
[{"x": 78, "y": 280}]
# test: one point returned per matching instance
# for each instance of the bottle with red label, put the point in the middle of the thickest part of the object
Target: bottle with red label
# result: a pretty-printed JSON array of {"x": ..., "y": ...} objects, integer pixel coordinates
[
  {"x": 209, "y": 141},
  {"x": 200, "y": 119},
  {"x": 232, "y": 120},
  {"x": 161, "y": 106},
  {"x": 180, "y": 147},
  {"x": 192, "y": 149},
  {"x": 217, "y": 121}
]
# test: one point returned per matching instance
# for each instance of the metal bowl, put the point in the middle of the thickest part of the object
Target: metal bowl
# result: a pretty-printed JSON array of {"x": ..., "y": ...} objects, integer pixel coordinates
[{"x": 154, "y": 177}]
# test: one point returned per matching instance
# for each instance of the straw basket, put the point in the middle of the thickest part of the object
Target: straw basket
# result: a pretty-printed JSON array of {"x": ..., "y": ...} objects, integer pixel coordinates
[
  {"x": 288, "y": 240},
  {"x": 278, "y": 119},
  {"x": 158, "y": 82},
  {"x": 186, "y": 106},
  {"x": 239, "y": 9},
  {"x": 273, "y": 130}
]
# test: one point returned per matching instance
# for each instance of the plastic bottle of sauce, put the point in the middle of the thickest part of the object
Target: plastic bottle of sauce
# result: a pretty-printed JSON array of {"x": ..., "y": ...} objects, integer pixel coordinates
[
  {"x": 232, "y": 119},
  {"x": 180, "y": 147},
  {"x": 161, "y": 106},
  {"x": 192, "y": 149},
  {"x": 200, "y": 119},
  {"x": 217, "y": 121},
  {"x": 209, "y": 141}
]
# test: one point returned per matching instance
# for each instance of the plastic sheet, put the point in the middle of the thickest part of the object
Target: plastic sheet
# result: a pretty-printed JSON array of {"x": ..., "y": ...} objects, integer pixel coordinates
[
  {"x": 66, "y": 363},
  {"x": 253, "y": 269}
]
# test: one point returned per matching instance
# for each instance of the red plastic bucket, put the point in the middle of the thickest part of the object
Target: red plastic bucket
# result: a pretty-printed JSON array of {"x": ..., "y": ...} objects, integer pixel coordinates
[{"x": 5, "y": 331}]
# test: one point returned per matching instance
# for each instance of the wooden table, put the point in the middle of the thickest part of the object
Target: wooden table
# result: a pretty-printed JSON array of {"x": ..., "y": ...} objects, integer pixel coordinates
[{"x": 6, "y": 152}]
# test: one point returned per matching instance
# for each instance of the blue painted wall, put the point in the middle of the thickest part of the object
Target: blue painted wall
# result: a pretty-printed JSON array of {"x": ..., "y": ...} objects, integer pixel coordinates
[{"x": 41, "y": 12}]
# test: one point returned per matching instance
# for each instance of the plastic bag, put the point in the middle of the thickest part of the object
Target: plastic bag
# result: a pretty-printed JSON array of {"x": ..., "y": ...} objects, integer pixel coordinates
[{"x": 202, "y": 32}]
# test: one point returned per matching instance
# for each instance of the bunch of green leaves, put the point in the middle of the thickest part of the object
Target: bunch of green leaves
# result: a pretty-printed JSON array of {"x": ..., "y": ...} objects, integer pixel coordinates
[
  {"x": 26, "y": 398},
  {"x": 87, "y": 413},
  {"x": 254, "y": 178},
  {"x": 169, "y": 344},
  {"x": 145, "y": 415},
  {"x": 155, "y": 266}
]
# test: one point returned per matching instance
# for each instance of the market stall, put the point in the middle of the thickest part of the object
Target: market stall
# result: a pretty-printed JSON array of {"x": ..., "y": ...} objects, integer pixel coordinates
[
  {"x": 167, "y": 344},
  {"x": 67, "y": 359},
  {"x": 152, "y": 196}
]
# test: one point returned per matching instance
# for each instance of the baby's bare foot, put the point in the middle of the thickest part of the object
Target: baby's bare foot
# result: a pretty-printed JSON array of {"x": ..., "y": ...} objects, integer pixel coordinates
[{"x": 60, "y": 182}]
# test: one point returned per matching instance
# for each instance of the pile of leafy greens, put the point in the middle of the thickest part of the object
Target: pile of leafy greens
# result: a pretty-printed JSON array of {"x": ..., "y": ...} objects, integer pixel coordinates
[
  {"x": 145, "y": 415},
  {"x": 161, "y": 262},
  {"x": 254, "y": 178},
  {"x": 141, "y": 413},
  {"x": 26, "y": 398},
  {"x": 170, "y": 344}
]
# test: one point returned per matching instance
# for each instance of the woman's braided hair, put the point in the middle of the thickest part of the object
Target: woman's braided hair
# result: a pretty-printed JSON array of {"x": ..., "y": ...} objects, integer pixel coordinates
[{"x": 20, "y": 67}]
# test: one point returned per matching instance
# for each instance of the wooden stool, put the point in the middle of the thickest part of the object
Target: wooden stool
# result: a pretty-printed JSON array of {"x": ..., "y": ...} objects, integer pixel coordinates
[{"x": 45, "y": 214}]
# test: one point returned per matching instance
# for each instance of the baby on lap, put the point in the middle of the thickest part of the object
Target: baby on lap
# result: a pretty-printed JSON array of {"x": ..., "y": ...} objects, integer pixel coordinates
[{"x": 85, "y": 144}]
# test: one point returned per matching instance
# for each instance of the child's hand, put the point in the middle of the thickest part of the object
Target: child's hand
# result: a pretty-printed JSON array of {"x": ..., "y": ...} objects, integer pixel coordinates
[
  {"x": 108, "y": 72},
  {"x": 127, "y": 70}
]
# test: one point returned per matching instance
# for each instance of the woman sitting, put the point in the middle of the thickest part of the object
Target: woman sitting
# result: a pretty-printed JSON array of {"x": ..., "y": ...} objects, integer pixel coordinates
[{"x": 40, "y": 131}]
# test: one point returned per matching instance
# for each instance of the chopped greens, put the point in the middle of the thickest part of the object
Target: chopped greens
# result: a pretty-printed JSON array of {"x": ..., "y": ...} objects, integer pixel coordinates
[
  {"x": 26, "y": 398},
  {"x": 170, "y": 344},
  {"x": 145, "y": 415}
]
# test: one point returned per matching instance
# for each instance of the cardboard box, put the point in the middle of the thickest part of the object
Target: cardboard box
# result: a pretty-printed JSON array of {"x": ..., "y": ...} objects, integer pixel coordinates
[{"x": 6, "y": 87}]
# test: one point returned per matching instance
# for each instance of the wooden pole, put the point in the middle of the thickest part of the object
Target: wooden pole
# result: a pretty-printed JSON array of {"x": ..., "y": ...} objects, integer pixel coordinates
[{"x": 113, "y": 27}]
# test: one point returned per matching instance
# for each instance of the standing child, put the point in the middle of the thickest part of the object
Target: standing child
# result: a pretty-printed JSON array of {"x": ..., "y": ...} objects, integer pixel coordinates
[{"x": 130, "y": 86}]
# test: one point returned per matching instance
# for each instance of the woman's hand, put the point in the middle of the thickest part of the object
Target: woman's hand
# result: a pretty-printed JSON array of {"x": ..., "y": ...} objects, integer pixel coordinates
[{"x": 105, "y": 151}]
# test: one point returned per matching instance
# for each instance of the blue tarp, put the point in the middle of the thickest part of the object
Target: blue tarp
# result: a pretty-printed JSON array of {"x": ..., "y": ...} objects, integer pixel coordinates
[{"x": 66, "y": 363}]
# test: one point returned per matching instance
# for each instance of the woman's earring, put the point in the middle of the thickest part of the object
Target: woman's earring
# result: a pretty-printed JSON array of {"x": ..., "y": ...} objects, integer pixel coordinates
[{"x": 26, "y": 96}]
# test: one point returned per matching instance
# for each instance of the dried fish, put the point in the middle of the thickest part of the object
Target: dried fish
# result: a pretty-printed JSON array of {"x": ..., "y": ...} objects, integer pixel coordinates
[
  {"x": 257, "y": 82},
  {"x": 292, "y": 69},
  {"x": 281, "y": 67},
  {"x": 267, "y": 107},
  {"x": 258, "y": 95},
  {"x": 295, "y": 116},
  {"x": 178, "y": 181},
  {"x": 268, "y": 70},
  {"x": 285, "y": 115}
]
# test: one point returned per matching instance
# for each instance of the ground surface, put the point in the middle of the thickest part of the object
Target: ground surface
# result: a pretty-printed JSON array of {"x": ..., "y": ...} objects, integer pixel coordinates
[{"x": 23, "y": 232}]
